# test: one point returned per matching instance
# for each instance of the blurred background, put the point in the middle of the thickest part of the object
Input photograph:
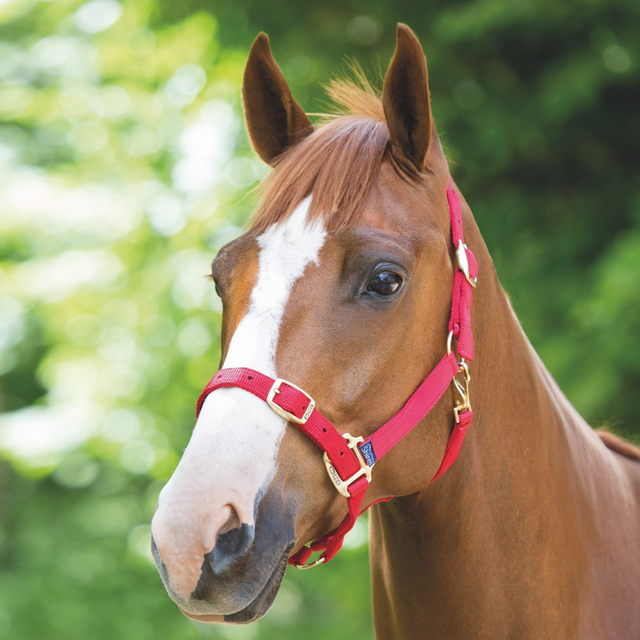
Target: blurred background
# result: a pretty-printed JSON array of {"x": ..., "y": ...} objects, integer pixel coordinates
[{"x": 124, "y": 167}]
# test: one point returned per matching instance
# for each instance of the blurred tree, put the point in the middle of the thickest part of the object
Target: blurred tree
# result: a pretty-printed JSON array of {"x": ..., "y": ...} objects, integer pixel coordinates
[{"x": 125, "y": 167}]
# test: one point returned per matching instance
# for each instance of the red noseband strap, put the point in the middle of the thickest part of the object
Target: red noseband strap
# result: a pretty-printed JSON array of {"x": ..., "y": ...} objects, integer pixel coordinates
[{"x": 348, "y": 459}]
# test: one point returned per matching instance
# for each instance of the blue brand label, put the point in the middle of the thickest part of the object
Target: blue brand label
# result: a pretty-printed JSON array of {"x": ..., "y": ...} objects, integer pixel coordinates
[{"x": 366, "y": 448}]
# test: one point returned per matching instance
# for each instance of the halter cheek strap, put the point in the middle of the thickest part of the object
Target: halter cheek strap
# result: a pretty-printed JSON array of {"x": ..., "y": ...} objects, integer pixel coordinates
[{"x": 349, "y": 460}]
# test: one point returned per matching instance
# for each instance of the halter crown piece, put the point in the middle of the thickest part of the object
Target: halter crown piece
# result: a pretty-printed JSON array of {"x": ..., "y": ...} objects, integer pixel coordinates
[{"x": 349, "y": 460}]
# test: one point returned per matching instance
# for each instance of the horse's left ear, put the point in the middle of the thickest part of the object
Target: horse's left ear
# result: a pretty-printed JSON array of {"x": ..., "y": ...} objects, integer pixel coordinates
[
  {"x": 405, "y": 98},
  {"x": 275, "y": 121}
]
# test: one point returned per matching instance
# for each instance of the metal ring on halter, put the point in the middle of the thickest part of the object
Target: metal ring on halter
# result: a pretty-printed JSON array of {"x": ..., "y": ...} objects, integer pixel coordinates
[
  {"x": 462, "y": 362},
  {"x": 315, "y": 563}
]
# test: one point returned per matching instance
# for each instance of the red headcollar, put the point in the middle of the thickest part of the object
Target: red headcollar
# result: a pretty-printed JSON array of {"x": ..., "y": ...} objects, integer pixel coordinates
[{"x": 349, "y": 460}]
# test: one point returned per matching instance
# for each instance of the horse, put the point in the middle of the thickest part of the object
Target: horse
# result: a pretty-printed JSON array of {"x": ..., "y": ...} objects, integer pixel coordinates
[{"x": 342, "y": 285}]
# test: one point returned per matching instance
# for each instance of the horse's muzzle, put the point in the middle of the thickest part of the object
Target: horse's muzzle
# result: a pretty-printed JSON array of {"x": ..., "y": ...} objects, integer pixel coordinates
[{"x": 240, "y": 577}]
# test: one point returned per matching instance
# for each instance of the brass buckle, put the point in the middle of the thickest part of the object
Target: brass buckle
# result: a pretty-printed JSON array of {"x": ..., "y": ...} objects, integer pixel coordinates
[
  {"x": 315, "y": 563},
  {"x": 464, "y": 404},
  {"x": 463, "y": 263},
  {"x": 365, "y": 470},
  {"x": 283, "y": 413}
]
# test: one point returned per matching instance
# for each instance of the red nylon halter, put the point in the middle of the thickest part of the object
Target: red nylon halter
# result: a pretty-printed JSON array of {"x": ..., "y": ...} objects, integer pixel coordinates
[{"x": 349, "y": 460}]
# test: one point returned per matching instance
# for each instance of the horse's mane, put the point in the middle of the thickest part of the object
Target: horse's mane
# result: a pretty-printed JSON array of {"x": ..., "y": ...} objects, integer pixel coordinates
[
  {"x": 338, "y": 162},
  {"x": 618, "y": 445}
]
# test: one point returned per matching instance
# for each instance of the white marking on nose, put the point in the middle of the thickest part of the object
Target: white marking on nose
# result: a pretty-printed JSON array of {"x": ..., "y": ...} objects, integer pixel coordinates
[{"x": 232, "y": 452}]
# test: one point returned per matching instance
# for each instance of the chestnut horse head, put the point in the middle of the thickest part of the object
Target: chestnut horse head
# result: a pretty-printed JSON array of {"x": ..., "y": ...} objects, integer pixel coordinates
[{"x": 343, "y": 286}]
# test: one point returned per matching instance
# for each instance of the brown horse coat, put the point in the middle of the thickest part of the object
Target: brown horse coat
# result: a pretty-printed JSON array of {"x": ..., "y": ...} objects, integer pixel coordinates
[{"x": 533, "y": 533}]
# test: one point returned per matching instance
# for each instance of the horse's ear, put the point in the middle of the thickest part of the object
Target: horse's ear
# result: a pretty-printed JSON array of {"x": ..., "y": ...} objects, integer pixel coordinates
[
  {"x": 405, "y": 98},
  {"x": 275, "y": 121}
]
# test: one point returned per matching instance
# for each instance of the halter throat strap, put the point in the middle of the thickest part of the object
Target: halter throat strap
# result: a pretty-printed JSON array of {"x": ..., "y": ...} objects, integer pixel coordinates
[{"x": 349, "y": 460}]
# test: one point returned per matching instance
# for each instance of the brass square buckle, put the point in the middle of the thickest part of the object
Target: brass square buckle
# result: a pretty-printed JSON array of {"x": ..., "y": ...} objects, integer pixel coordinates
[
  {"x": 365, "y": 470},
  {"x": 283, "y": 413}
]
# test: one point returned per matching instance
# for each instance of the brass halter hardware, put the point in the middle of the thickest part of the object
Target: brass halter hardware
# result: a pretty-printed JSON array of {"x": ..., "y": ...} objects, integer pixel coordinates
[
  {"x": 315, "y": 563},
  {"x": 462, "y": 387},
  {"x": 463, "y": 263},
  {"x": 283, "y": 413},
  {"x": 464, "y": 404},
  {"x": 365, "y": 470}
]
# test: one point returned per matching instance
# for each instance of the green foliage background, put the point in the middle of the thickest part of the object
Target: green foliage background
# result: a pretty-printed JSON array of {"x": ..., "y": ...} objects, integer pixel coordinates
[{"x": 125, "y": 166}]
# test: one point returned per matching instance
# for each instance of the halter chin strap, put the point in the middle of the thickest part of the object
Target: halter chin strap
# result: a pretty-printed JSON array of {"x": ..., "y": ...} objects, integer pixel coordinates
[{"x": 349, "y": 460}]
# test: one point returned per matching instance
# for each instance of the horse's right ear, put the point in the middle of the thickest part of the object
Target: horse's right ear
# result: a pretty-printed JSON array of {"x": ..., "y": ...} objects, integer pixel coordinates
[{"x": 275, "y": 121}]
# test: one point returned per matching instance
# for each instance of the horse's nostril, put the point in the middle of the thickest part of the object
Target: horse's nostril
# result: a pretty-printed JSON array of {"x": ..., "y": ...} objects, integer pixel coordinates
[
  {"x": 231, "y": 547},
  {"x": 231, "y": 542},
  {"x": 233, "y": 521}
]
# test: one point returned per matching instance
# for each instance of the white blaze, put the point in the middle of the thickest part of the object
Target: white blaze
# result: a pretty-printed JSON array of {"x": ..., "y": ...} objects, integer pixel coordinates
[
  {"x": 285, "y": 250},
  {"x": 232, "y": 452}
]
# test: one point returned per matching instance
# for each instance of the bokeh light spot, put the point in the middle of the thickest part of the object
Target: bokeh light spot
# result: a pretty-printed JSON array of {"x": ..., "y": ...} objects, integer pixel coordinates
[
  {"x": 468, "y": 94},
  {"x": 616, "y": 59},
  {"x": 141, "y": 42},
  {"x": 97, "y": 15},
  {"x": 194, "y": 338},
  {"x": 363, "y": 30},
  {"x": 76, "y": 471}
]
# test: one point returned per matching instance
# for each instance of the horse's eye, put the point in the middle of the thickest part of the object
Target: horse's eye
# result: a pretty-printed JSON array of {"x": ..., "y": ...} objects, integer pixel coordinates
[{"x": 385, "y": 283}]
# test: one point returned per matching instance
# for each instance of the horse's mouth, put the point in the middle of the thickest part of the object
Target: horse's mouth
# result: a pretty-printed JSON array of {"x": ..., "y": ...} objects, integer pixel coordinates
[{"x": 257, "y": 607}]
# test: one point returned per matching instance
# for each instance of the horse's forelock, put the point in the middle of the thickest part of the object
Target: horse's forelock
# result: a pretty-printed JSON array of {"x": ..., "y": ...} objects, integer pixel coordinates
[{"x": 338, "y": 164}]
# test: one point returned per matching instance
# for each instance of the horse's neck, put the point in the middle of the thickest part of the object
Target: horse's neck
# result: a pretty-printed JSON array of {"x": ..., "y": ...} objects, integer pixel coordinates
[{"x": 496, "y": 543}]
